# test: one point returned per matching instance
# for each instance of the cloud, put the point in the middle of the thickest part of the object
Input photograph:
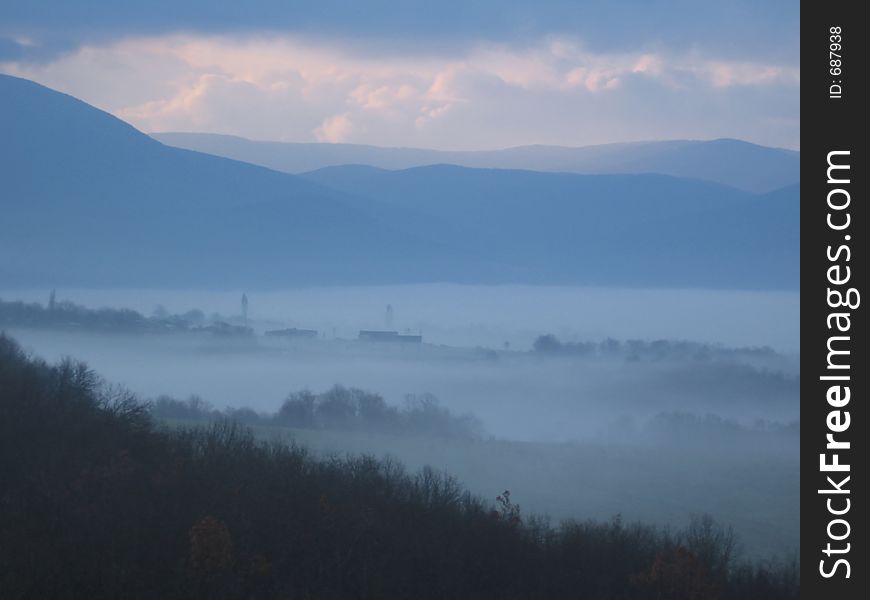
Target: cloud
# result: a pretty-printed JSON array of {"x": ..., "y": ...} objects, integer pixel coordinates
[
  {"x": 723, "y": 75},
  {"x": 737, "y": 29},
  {"x": 648, "y": 63},
  {"x": 555, "y": 90},
  {"x": 335, "y": 129}
]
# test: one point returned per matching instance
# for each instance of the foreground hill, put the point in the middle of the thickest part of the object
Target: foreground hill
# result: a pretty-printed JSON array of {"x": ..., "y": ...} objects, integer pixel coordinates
[
  {"x": 89, "y": 200},
  {"x": 730, "y": 162},
  {"x": 99, "y": 502}
]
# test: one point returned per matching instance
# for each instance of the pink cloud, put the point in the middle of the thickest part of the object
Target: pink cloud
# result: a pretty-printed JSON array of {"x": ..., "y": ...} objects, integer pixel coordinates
[
  {"x": 280, "y": 87},
  {"x": 335, "y": 129},
  {"x": 723, "y": 75}
]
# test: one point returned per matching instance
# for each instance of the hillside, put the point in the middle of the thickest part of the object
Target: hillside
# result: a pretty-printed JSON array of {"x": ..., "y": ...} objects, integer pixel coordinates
[
  {"x": 100, "y": 502},
  {"x": 604, "y": 229},
  {"x": 88, "y": 199}
]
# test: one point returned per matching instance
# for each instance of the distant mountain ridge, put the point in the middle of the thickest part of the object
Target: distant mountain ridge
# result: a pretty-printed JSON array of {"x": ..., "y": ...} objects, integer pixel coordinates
[
  {"x": 88, "y": 200},
  {"x": 599, "y": 228},
  {"x": 730, "y": 162}
]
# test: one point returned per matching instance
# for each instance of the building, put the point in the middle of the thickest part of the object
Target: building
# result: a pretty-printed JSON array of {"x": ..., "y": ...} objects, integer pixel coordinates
[
  {"x": 293, "y": 333},
  {"x": 367, "y": 335},
  {"x": 222, "y": 329}
]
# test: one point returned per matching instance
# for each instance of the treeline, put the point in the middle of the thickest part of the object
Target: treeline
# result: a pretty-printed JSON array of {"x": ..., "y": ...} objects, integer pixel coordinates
[
  {"x": 645, "y": 350},
  {"x": 68, "y": 315},
  {"x": 713, "y": 432},
  {"x": 96, "y": 501},
  {"x": 677, "y": 425},
  {"x": 339, "y": 408}
]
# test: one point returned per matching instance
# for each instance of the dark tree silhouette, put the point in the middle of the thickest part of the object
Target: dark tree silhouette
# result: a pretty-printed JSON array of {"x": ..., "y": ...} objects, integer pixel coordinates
[{"x": 97, "y": 501}]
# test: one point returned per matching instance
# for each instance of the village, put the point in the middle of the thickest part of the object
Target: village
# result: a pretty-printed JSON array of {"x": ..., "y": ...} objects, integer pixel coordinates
[{"x": 70, "y": 316}]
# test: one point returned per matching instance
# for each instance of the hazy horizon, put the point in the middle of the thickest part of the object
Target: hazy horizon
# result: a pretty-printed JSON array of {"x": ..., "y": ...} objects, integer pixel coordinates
[
  {"x": 157, "y": 133},
  {"x": 486, "y": 315}
]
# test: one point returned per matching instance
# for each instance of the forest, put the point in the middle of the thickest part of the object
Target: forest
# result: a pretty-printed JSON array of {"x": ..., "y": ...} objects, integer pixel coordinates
[
  {"x": 339, "y": 409},
  {"x": 99, "y": 500},
  {"x": 68, "y": 315}
]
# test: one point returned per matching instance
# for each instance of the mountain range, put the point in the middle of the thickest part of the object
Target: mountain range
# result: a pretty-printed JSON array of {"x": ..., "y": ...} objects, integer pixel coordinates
[
  {"x": 730, "y": 162},
  {"x": 89, "y": 200}
]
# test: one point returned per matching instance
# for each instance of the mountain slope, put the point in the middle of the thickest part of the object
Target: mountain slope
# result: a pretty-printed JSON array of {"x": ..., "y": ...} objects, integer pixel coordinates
[
  {"x": 88, "y": 199},
  {"x": 730, "y": 162},
  {"x": 606, "y": 229}
]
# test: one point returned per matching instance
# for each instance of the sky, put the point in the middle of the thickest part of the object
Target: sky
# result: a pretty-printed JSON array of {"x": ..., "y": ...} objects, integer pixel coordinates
[{"x": 446, "y": 74}]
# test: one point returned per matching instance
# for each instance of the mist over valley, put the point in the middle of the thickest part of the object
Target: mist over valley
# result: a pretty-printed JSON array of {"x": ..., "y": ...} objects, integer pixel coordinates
[
  {"x": 570, "y": 418},
  {"x": 286, "y": 368}
]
